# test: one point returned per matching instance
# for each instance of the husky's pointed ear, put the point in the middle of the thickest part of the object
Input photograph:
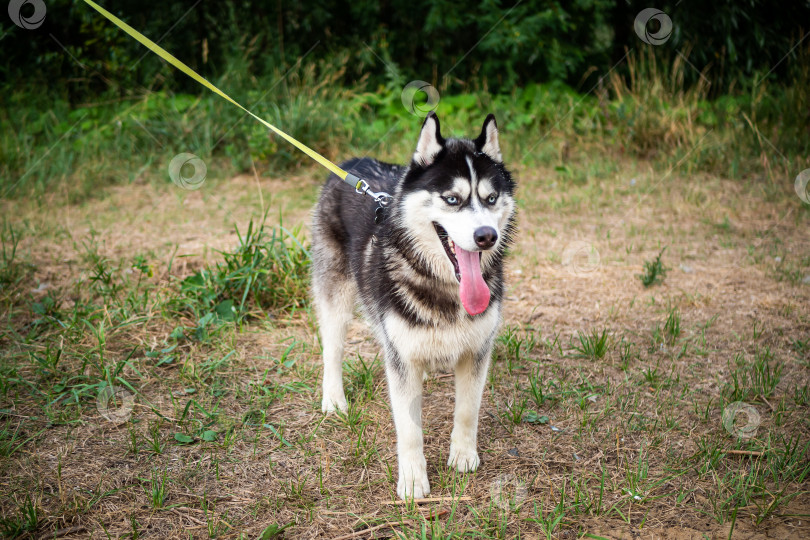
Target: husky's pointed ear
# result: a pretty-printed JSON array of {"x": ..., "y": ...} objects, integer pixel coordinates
[
  {"x": 430, "y": 141},
  {"x": 487, "y": 142}
]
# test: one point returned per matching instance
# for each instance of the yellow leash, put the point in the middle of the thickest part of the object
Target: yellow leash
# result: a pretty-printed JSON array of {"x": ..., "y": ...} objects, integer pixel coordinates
[{"x": 361, "y": 186}]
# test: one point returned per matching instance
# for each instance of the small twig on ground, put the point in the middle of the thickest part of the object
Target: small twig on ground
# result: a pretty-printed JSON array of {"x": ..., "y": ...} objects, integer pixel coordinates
[
  {"x": 361, "y": 532},
  {"x": 440, "y": 513},
  {"x": 428, "y": 500},
  {"x": 745, "y": 453},
  {"x": 187, "y": 516},
  {"x": 9, "y": 413},
  {"x": 64, "y": 532}
]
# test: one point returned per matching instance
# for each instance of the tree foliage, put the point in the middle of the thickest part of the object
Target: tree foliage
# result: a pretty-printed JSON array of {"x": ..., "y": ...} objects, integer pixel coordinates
[{"x": 493, "y": 43}]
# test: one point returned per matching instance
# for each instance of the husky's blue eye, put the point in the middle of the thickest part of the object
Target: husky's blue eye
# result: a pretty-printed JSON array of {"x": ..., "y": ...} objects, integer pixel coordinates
[
  {"x": 492, "y": 198},
  {"x": 451, "y": 200}
]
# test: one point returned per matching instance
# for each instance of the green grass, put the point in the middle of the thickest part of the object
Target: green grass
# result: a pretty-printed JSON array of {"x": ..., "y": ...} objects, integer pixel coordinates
[
  {"x": 10, "y": 441},
  {"x": 11, "y": 269},
  {"x": 360, "y": 376},
  {"x": 25, "y": 521},
  {"x": 157, "y": 488},
  {"x": 755, "y": 379},
  {"x": 593, "y": 345},
  {"x": 654, "y": 271},
  {"x": 517, "y": 344},
  {"x": 76, "y": 150},
  {"x": 672, "y": 326}
]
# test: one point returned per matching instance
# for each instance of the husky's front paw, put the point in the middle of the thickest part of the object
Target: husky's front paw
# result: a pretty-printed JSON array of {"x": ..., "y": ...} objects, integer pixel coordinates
[
  {"x": 413, "y": 479},
  {"x": 463, "y": 458},
  {"x": 334, "y": 403}
]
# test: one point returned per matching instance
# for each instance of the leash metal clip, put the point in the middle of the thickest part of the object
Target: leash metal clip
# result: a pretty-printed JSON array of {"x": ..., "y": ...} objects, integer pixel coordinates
[{"x": 380, "y": 197}]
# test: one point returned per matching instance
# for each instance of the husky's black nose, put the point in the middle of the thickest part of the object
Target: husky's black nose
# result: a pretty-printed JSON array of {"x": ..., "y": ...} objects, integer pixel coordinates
[{"x": 485, "y": 237}]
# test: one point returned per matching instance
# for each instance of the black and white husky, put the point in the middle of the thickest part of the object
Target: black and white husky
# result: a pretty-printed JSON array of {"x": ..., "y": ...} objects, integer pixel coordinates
[{"x": 429, "y": 279}]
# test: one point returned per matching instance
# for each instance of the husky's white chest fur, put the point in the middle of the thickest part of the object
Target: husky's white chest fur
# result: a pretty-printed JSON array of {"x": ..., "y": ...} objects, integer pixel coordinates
[{"x": 440, "y": 347}]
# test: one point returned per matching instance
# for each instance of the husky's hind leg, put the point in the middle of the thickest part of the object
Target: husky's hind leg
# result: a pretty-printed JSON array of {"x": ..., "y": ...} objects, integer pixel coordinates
[
  {"x": 334, "y": 304},
  {"x": 334, "y": 294}
]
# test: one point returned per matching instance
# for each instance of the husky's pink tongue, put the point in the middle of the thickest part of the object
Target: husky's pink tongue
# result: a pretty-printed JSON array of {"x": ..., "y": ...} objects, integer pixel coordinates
[{"x": 473, "y": 290}]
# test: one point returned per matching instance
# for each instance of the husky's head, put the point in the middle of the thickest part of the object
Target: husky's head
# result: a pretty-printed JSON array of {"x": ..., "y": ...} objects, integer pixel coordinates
[{"x": 455, "y": 201}]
